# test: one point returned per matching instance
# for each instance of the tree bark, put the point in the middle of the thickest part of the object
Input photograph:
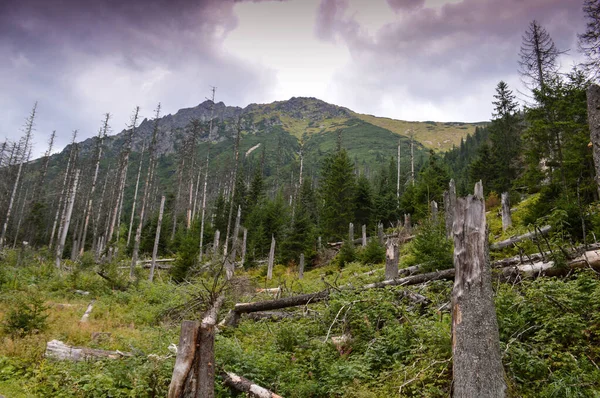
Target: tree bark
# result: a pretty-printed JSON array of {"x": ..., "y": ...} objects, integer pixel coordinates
[
  {"x": 506, "y": 219},
  {"x": 88, "y": 311},
  {"x": 380, "y": 233},
  {"x": 593, "y": 108},
  {"x": 477, "y": 364},
  {"x": 236, "y": 151},
  {"x": 434, "y": 211},
  {"x": 157, "y": 237}
]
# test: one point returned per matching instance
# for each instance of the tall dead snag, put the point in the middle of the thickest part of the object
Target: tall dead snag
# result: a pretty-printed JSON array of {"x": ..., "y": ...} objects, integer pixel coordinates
[
  {"x": 242, "y": 384},
  {"x": 301, "y": 267},
  {"x": 449, "y": 203},
  {"x": 236, "y": 151},
  {"x": 135, "y": 194},
  {"x": 203, "y": 213},
  {"x": 380, "y": 233},
  {"x": 407, "y": 224},
  {"x": 477, "y": 363},
  {"x": 271, "y": 258},
  {"x": 230, "y": 264},
  {"x": 146, "y": 195},
  {"x": 244, "y": 239},
  {"x": 506, "y": 220},
  {"x": 391, "y": 260},
  {"x": 66, "y": 220},
  {"x": 351, "y": 233},
  {"x": 123, "y": 167},
  {"x": 434, "y": 211},
  {"x": 593, "y": 108},
  {"x": 99, "y": 147},
  {"x": 26, "y": 140},
  {"x": 364, "y": 235},
  {"x": 157, "y": 237},
  {"x": 194, "y": 371}
]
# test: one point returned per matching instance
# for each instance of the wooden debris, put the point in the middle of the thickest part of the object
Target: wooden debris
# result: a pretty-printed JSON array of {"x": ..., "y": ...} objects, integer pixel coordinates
[
  {"x": 242, "y": 384},
  {"x": 56, "y": 349},
  {"x": 516, "y": 239}
]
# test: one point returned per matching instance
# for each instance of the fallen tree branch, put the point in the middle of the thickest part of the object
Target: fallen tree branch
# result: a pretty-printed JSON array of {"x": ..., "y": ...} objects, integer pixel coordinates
[{"x": 242, "y": 384}]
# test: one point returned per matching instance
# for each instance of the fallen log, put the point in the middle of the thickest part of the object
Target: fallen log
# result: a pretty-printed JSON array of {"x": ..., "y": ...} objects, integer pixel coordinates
[
  {"x": 56, "y": 349},
  {"x": 242, "y": 384},
  {"x": 88, "y": 311},
  {"x": 516, "y": 239},
  {"x": 285, "y": 302}
]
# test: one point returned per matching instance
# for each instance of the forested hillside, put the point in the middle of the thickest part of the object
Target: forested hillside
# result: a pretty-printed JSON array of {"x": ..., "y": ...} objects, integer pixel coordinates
[{"x": 312, "y": 251}]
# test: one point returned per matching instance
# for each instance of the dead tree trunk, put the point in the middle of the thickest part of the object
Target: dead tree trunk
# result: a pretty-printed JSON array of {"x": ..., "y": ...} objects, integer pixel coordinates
[
  {"x": 407, "y": 224},
  {"x": 301, "y": 267},
  {"x": 515, "y": 239},
  {"x": 58, "y": 350},
  {"x": 203, "y": 213},
  {"x": 146, "y": 195},
  {"x": 593, "y": 108},
  {"x": 66, "y": 220},
  {"x": 194, "y": 371},
  {"x": 271, "y": 258},
  {"x": 236, "y": 151},
  {"x": 27, "y": 139},
  {"x": 135, "y": 195},
  {"x": 244, "y": 239},
  {"x": 380, "y": 233},
  {"x": 157, "y": 237},
  {"x": 351, "y": 233},
  {"x": 391, "y": 260},
  {"x": 449, "y": 204},
  {"x": 88, "y": 311},
  {"x": 230, "y": 265},
  {"x": 434, "y": 211},
  {"x": 101, "y": 135},
  {"x": 364, "y": 235},
  {"x": 242, "y": 384},
  {"x": 506, "y": 220},
  {"x": 477, "y": 363}
]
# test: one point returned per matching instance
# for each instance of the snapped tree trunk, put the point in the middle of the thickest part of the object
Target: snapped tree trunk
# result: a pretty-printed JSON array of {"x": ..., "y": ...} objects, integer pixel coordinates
[
  {"x": 364, "y": 235},
  {"x": 157, "y": 237},
  {"x": 391, "y": 260},
  {"x": 477, "y": 364}
]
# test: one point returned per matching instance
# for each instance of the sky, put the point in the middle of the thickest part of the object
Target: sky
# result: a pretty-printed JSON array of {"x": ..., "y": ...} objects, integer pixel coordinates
[{"x": 405, "y": 59}]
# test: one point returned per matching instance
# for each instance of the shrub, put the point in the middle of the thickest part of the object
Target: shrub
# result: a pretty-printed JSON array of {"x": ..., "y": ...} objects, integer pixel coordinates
[
  {"x": 27, "y": 314},
  {"x": 373, "y": 253},
  {"x": 431, "y": 247}
]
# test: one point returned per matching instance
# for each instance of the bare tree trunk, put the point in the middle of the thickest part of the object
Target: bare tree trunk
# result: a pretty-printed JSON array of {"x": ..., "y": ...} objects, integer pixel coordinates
[
  {"x": 233, "y": 183},
  {"x": 96, "y": 225},
  {"x": 391, "y": 260},
  {"x": 364, "y": 235},
  {"x": 398, "y": 173},
  {"x": 179, "y": 182},
  {"x": 216, "y": 243},
  {"x": 271, "y": 259},
  {"x": 449, "y": 205},
  {"x": 412, "y": 159},
  {"x": 407, "y": 224},
  {"x": 27, "y": 139},
  {"x": 244, "y": 246},
  {"x": 477, "y": 364},
  {"x": 66, "y": 220},
  {"x": 244, "y": 385},
  {"x": 593, "y": 108},
  {"x": 236, "y": 231},
  {"x": 152, "y": 164},
  {"x": 380, "y": 233},
  {"x": 135, "y": 194},
  {"x": 434, "y": 211},
  {"x": 157, "y": 237},
  {"x": 20, "y": 218},
  {"x": 506, "y": 219},
  {"x": 196, "y": 193},
  {"x": 351, "y": 233},
  {"x": 88, "y": 211},
  {"x": 301, "y": 267}
]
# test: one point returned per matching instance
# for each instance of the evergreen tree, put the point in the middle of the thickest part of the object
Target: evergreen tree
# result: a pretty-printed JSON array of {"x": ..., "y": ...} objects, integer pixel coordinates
[
  {"x": 337, "y": 193},
  {"x": 363, "y": 202}
]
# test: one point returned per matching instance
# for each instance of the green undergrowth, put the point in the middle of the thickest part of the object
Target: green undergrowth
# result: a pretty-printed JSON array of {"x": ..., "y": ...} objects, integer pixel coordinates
[{"x": 359, "y": 343}]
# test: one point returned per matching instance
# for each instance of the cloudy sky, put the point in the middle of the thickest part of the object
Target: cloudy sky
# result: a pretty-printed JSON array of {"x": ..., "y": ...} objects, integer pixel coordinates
[{"x": 406, "y": 59}]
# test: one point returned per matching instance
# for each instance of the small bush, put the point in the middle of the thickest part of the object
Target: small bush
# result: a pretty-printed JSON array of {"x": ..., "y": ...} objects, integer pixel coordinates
[
  {"x": 373, "y": 253},
  {"x": 27, "y": 314},
  {"x": 346, "y": 255},
  {"x": 431, "y": 247}
]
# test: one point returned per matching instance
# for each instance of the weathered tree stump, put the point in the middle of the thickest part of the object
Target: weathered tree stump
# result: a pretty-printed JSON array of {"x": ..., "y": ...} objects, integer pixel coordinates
[
  {"x": 364, "y": 236},
  {"x": 391, "y": 260},
  {"x": 242, "y": 384},
  {"x": 506, "y": 219},
  {"x": 477, "y": 363}
]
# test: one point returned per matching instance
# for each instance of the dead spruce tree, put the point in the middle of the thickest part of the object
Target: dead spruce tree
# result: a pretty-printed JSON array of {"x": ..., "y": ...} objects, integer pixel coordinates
[
  {"x": 206, "y": 168},
  {"x": 26, "y": 142},
  {"x": 146, "y": 195},
  {"x": 477, "y": 364},
  {"x": 66, "y": 220},
  {"x": 135, "y": 194},
  {"x": 102, "y": 133},
  {"x": 236, "y": 156},
  {"x": 61, "y": 199}
]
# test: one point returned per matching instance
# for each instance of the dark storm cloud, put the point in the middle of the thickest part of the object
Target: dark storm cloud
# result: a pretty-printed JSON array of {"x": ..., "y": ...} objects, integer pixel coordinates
[
  {"x": 83, "y": 58},
  {"x": 447, "y": 53}
]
